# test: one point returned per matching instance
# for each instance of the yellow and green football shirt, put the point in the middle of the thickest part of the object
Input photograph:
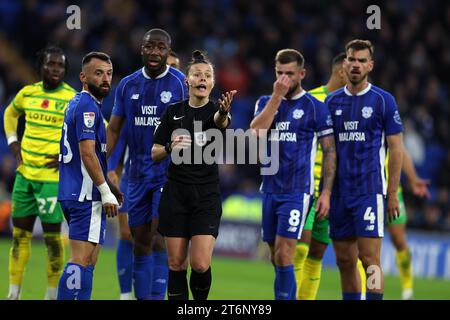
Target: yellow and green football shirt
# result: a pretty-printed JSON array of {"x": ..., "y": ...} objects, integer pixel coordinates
[
  {"x": 44, "y": 117},
  {"x": 320, "y": 93}
]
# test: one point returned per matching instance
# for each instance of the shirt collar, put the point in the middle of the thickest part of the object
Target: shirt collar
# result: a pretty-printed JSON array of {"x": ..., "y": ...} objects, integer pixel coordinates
[
  {"x": 158, "y": 77},
  {"x": 95, "y": 99},
  {"x": 362, "y": 92},
  {"x": 297, "y": 96}
]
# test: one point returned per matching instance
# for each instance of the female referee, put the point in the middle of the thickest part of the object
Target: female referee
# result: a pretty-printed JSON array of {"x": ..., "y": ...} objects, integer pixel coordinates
[{"x": 191, "y": 206}]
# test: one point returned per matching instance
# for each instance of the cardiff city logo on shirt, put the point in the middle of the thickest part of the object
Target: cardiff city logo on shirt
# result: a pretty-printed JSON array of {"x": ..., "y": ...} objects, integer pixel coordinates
[
  {"x": 200, "y": 138},
  {"x": 367, "y": 112},
  {"x": 298, "y": 113},
  {"x": 89, "y": 119},
  {"x": 329, "y": 120},
  {"x": 166, "y": 96},
  {"x": 338, "y": 112},
  {"x": 397, "y": 118}
]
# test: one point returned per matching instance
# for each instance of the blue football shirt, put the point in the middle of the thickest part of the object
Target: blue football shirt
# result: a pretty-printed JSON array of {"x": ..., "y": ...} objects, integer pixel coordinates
[
  {"x": 142, "y": 100},
  {"x": 297, "y": 126},
  {"x": 361, "y": 124},
  {"x": 83, "y": 120}
]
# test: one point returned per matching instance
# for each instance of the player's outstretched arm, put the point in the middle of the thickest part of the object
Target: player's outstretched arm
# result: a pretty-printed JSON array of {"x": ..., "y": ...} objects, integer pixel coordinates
[
  {"x": 92, "y": 165},
  {"x": 395, "y": 145},
  {"x": 328, "y": 173},
  {"x": 264, "y": 119},
  {"x": 418, "y": 185},
  {"x": 112, "y": 133}
]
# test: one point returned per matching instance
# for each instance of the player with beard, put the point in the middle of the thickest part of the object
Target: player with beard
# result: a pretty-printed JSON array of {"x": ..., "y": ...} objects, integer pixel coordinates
[
  {"x": 365, "y": 117},
  {"x": 140, "y": 100},
  {"x": 84, "y": 194},
  {"x": 297, "y": 121},
  {"x": 36, "y": 184}
]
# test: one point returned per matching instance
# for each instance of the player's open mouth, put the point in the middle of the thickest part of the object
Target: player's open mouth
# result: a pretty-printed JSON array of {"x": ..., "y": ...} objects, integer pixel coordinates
[
  {"x": 153, "y": 63},
  {"x": 55, "y": 77}
]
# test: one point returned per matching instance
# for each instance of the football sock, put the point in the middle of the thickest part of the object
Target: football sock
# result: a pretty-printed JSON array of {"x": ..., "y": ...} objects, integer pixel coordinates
[
  {"x": 284, "y": 283},
  {"x": 86, "y": 283},
  {"x": 142, "y": 266},
  {"x": 311, "y": 279},
  {"x": 124, "y": 262},
  {"x": 55, "y": 259},
  {"x": 200, "y": 283},
  {"x": 160, "y": 273},
  {"x": 18, "y": 258},
  {"x": 301, "y": 252},
  {"x": 374, "y": 296},
  {"x": 351, "y": 295},
  {"x": 404, "y": 266},
  {"x": 177, "y": 285},
  {"x": 70, "y": 282}
]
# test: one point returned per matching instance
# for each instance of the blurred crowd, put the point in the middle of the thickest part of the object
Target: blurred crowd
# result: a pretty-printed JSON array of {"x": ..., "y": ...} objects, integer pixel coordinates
[{"x": 412, "y": 60}]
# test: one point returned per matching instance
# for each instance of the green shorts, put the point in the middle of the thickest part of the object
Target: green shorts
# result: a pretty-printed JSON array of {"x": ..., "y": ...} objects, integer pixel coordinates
[
  {"x": 402, "y": 218},
  {"x": 320, "y": 228},
  {"x": 31, "y": 198}
]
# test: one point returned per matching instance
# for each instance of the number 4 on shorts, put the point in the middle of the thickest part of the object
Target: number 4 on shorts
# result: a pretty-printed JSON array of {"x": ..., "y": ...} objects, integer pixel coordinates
[{"x": 369, "y": 215}]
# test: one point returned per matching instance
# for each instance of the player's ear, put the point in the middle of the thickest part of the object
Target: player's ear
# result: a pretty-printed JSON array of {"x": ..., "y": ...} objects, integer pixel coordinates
[
  {"x": 302, "y": 73},
  {"x": 82, "y": 77},
  {"x": 371, "y": 63}
]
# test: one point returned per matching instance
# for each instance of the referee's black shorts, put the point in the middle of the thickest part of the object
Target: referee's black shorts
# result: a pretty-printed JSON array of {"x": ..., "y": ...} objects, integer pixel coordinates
[{"x": 187, "y": 210}]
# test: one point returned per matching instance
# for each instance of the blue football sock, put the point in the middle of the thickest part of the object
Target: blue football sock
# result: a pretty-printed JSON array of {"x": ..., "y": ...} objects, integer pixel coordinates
[
  {"x": 351, "y": 295},
  {"x": 142, "y": 267},
  {"x": 374, "y": 296},
  {"x": 160, "y": 273},
  {"x": 284, "y": 282},
  {"x": 70, "y": 282},
  {"x": 124, "y": 261},
  {"x": 86, "y": 283}
]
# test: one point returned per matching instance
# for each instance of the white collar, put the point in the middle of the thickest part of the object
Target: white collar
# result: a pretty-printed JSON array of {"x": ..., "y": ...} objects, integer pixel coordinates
[
  {"x": 297, "y": 96},
  {"x": 96, "y": 100},
  {"x": 158, "y": 77},
  {"x": 364, "y": 91}
]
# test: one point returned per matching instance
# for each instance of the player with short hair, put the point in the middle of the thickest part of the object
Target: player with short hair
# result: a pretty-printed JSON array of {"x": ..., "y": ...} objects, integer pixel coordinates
[
  {"x": 308, "y": 260},
  {"x": 36, "y": 184},
  {"x": 364, "y": 118},
  {"x": 140, "y": 100},
  {"x": 124, "y": 256},
  {"x": 315, "y": 237},
  {"x": 84, "y": 193},
  {"x": 173, "y": 60},
  {"x": 298, "y": 121}
]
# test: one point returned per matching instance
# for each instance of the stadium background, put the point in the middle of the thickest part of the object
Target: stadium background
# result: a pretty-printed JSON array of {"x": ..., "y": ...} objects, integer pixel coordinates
[{"x": 412, "y": 60}]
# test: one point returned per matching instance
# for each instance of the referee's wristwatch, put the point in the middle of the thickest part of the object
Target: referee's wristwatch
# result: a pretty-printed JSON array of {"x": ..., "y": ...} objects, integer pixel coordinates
[{"x": 168, "y": 147}]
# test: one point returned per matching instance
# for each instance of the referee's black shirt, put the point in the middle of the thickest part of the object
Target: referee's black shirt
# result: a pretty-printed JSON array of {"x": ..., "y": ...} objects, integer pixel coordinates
[{"x": 182, "y": 116}]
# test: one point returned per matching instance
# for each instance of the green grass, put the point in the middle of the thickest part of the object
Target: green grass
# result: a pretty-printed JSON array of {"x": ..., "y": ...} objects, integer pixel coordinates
[{"x": 232, "y": 279}]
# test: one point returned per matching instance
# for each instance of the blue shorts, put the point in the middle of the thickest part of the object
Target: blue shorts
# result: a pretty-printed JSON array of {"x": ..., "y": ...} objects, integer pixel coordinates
[
  {"x": 284, "y": 215},
  {"x": 124, "y": 189},
  {"x": 357, "y": 216},
  {"x": 86, "y": 220},
  {"x": 143, "y": 203}
]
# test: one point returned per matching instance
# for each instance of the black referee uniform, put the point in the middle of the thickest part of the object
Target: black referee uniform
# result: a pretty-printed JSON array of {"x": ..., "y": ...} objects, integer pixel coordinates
[{"x": 190, "y": 203}]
